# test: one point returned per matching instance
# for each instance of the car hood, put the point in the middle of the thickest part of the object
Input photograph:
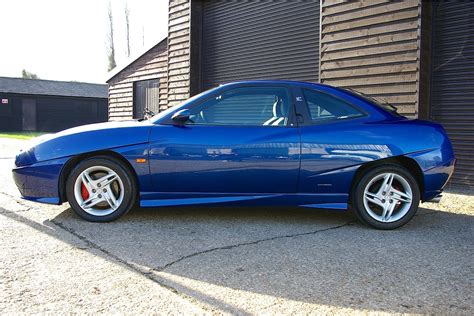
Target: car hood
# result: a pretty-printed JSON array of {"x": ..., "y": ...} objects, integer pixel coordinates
[{"x": 83, "y": 139}]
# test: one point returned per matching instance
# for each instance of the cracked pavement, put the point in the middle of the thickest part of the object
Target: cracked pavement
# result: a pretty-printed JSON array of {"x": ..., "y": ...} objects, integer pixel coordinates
[{"x": 218, "y": 260}]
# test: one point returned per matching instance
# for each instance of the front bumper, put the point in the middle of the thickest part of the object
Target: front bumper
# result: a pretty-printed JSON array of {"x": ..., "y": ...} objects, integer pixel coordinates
[{"x": 40, "y": 182}]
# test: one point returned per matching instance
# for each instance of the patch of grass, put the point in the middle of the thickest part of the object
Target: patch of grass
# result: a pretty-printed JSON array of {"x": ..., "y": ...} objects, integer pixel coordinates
[{"x": 20, "y": 135}]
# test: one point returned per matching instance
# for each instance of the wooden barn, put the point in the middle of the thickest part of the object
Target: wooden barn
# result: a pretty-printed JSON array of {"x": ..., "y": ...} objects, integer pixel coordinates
[
  {"x": 140, "y": 84},
  {"x": 50, "y": 106},
  {"x": 414, "y": 54}
]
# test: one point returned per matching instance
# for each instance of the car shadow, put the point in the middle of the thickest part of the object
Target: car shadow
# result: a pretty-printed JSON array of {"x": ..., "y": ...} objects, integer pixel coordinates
[
  {"x": 156, "y": 237},
  {"x": 301, "y": 255}
]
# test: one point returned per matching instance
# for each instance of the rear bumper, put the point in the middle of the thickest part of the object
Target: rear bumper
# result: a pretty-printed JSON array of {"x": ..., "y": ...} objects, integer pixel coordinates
[
  {"x": 436, "y": 199},
  {"x": 437, "y": 167},
  {"x": 40, "y": 182},
  {"x": 436, "y": 179}
]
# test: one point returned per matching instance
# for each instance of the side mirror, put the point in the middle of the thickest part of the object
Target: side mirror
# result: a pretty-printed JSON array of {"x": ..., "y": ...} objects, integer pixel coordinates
[{"x": 181, "y": 116}]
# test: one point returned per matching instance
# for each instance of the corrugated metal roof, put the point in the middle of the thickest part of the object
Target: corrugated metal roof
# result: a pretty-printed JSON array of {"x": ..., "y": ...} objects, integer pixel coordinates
[{"x": 50, "y": 87}]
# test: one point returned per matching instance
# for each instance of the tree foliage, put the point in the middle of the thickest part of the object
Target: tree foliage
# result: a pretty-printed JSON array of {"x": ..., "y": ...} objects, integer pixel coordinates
[
  {"x": 25, "y": 74},
  {"x": 110, "y": 40},
  {"x": 127, "y": 25}
]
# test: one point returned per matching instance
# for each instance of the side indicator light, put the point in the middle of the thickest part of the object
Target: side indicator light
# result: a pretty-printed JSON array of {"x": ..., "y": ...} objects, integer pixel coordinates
[{"x": 140, "y": 160}]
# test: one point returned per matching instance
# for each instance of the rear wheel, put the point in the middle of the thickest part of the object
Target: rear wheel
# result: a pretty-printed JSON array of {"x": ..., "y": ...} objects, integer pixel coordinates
[
  {"x": 386, "y": 197},
  {"x": 100, "y": 189}
]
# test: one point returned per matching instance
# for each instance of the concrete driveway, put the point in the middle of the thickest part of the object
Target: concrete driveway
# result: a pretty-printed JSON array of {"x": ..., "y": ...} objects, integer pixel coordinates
[{"x": 231, "y": 260}]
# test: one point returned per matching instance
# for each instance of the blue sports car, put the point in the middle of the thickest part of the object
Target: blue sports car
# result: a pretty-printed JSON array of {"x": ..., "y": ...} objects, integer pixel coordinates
[{"x": 247, "y": 143}]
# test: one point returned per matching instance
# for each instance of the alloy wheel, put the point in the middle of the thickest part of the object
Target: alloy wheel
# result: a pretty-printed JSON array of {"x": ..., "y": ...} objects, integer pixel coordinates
[
  {"x": 388, "y": 197},
  {"x": 99, "y": 191}
]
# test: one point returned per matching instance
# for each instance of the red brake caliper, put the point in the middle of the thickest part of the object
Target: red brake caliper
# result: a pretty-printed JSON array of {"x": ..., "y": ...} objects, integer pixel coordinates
[{"x": 84, "y": 192}]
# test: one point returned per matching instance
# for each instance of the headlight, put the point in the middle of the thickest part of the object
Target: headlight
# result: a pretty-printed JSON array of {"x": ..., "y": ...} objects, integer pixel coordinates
[{"x": 26, "y": 156}]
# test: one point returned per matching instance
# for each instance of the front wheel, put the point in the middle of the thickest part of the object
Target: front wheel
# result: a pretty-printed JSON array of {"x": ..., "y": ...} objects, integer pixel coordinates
[
  {"x": 100, "y": 189},
  {"x": 386, "y": 197}
]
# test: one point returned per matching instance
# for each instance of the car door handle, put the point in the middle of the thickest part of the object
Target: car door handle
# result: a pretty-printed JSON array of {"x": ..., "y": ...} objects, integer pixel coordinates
[{"x": 299, "y": 118}]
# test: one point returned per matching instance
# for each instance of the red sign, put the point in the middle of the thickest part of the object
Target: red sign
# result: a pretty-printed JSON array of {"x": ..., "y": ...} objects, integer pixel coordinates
[{"x": 4, "y": 101}]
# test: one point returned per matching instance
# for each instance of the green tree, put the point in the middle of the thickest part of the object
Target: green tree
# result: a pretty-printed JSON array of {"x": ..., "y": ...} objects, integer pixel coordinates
[{"x": 28, "y": 75}]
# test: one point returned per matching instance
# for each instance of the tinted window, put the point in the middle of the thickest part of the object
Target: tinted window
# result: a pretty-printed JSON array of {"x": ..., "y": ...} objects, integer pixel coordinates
[
  {"x": 323, "y": 107},
  {"x": 244, "y": 106}
]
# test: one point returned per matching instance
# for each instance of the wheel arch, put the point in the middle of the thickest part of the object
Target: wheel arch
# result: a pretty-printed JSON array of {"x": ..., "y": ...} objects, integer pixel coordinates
[
  {"x": 73, "y": 161},
  {"x": 408, "y": 163}
]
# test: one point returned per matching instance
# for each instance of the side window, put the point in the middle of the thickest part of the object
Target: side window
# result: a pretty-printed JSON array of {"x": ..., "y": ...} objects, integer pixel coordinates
[
  {"x": 264, "y": 106},
  {"x": 324, "y": 107}
]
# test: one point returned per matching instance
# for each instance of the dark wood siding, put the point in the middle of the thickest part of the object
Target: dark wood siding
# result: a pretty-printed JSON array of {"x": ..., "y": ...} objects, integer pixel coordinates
[
  {"x": 373, "y": 46},
  {"x": 452, "y": 88},
  {"x": 152, "y": 65},
  {"x": 50, "y": 113},
  {"x": 55, "y": 113},
  {"x": 10, "y": 114},
  {"x": 178, "y": 51},
  {"x": 424, "y": 87}
]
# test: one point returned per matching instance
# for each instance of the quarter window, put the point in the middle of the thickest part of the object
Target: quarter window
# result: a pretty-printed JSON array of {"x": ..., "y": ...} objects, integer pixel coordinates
[
  {"x": 262, "y": 106},
  {"x": 324, "y": 107}
]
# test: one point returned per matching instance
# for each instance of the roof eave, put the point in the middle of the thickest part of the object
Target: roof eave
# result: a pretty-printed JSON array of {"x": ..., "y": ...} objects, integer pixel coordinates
[{"x": 114, "y": 72}]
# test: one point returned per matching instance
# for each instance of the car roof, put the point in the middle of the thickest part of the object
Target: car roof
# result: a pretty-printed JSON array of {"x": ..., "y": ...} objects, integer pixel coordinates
[
  {"x": 294, "y": 83},
  {"x": 274, "y": 81}
]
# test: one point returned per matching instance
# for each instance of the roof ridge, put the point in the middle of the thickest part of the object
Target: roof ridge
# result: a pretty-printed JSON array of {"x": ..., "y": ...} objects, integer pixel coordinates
[
  {"x": 26, "y": 86},
  {"x": 51, "y": 80}
]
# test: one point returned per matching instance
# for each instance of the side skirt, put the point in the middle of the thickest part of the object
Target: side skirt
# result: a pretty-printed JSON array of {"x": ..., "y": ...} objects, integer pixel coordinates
[{"x": 325, "y": 200}]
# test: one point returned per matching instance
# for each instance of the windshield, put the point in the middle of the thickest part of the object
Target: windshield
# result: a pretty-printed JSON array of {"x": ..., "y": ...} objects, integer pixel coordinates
[
  {"x": 183, "y": 104},
  {"x": 377, "y": 101}
]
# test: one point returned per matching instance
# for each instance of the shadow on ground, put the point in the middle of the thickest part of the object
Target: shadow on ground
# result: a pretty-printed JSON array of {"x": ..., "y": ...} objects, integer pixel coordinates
[{"x": 224, "y": 256}]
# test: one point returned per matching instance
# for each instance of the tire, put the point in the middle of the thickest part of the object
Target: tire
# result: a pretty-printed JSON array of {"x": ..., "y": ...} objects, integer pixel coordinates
[
  {"x": 381, "y": 206},
  {"x": 101, "y": 189}
]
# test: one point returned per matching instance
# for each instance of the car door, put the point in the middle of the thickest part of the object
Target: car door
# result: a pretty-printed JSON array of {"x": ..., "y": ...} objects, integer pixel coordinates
[
  {"x": 334, "y": 141},
  {"x": 238, "y": 141}
]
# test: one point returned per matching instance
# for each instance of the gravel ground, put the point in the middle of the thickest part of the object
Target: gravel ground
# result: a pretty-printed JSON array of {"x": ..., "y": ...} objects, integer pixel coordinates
[{"x": 232, "y": 260}]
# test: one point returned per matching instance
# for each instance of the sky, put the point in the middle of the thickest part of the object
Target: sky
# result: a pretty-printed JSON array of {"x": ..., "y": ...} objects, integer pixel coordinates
[{"x": 67, "y": 40}]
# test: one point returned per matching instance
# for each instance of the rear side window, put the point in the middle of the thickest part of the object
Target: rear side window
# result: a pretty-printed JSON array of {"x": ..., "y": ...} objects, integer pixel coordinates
[{"x": 324, "y": 107}]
